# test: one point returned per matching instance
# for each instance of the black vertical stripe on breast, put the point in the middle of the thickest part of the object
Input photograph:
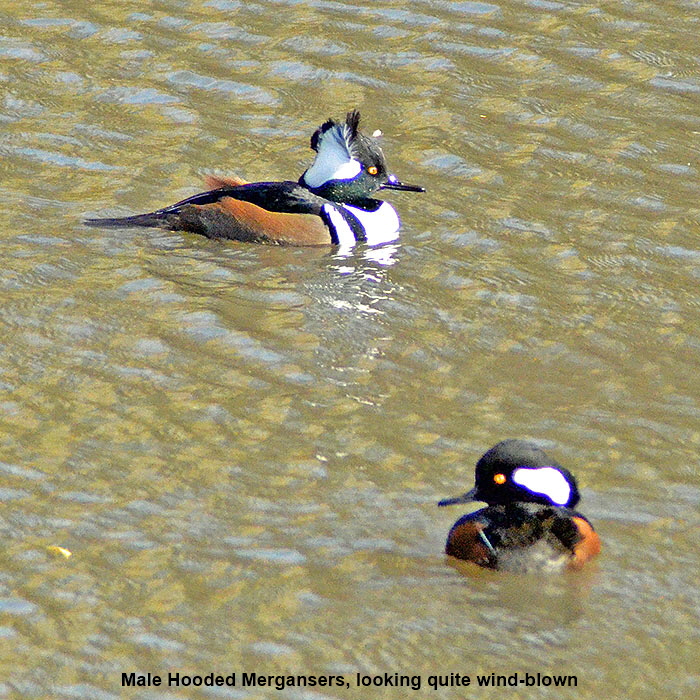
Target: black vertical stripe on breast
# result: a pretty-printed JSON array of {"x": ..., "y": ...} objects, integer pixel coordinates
[{"x": 358, "y": 230}]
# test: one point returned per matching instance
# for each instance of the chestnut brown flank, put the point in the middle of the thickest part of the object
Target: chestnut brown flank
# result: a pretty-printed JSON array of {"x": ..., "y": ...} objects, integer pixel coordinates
[
  {"x": 465, "y": 543},
  {"x": 587, "y": 547},
  {"x": 233, "y": 218}
]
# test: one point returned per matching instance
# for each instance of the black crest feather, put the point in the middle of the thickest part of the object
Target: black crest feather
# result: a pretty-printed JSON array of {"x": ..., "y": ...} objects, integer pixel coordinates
[
  {"x": 328, "y": 124},
  {"x": 352, "y": 120},
  {"x": 352, "y": 125}
]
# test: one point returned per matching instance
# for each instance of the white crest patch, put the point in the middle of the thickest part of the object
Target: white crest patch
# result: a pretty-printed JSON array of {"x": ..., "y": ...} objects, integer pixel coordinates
[
  {"x": 334, "y": 160},
  {"x": 545, "y": 480},
  {"x": 381, "y": 225}
]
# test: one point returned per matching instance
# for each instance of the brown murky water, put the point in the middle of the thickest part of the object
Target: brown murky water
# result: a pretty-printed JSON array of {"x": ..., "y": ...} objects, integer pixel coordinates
[{"x": 243, "y": 446}]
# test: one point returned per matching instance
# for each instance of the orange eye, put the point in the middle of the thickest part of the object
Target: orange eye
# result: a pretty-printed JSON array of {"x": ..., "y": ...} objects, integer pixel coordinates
[
  {"x": 500, "y": 479},
  {"x": 372, "y": 170}
]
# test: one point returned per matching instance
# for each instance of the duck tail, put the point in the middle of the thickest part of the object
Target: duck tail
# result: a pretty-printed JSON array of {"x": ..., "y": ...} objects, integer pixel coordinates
[{"x": 156, "y": 219}]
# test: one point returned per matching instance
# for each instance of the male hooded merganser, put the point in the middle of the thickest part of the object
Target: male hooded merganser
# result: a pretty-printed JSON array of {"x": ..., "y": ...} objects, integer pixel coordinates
[
  {"x": 528, "y": 524},
  {"x": 330, "y": 204}
]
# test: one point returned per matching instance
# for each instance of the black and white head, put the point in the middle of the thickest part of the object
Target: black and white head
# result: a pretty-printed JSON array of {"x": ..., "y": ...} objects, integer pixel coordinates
[
  {"x": 348, "y": 166},
  {"x": 518, "y": 471}
]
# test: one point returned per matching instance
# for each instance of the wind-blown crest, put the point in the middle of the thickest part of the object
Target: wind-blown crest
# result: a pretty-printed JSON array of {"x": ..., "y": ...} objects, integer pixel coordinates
[
  {"x": 345, "y": 134},
  {"x": 342, "y": 152}
]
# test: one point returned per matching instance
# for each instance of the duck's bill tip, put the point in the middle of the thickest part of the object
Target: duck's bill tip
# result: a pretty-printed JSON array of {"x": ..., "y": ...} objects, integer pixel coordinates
[
  {"x": 467, "y": 497},
  {"x": 393, "y": 184}
]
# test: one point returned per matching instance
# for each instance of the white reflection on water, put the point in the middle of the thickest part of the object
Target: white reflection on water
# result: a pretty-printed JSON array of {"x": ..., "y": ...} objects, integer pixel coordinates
[{"x": 382, "y": 254}]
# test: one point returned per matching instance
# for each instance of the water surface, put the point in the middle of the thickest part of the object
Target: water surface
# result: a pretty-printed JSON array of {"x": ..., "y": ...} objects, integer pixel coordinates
[{"x": 243, "y": 446}]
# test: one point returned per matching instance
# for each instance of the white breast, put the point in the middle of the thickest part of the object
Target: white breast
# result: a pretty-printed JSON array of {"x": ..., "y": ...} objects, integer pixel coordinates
[
  {"x": 346, "y": 238},
  {"x": 381, "y": 226}
]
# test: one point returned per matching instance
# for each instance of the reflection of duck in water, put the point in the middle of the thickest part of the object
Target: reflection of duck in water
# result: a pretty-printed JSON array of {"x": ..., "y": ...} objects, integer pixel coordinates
[
  {"x": 528, "y": 524},
  {"x": 330, "y": 204}
]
